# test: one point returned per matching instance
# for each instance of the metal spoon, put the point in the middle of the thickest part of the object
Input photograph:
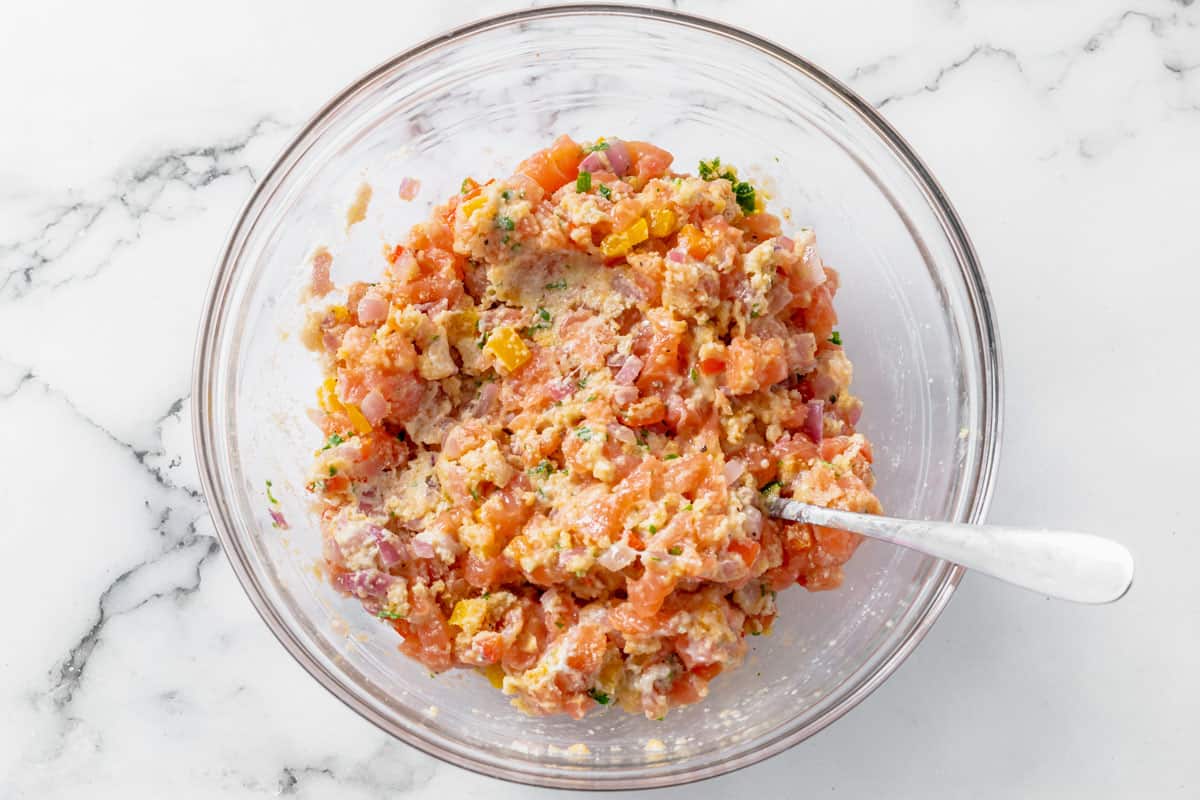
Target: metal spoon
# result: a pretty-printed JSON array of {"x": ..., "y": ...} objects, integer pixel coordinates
[{"x": 1070, "y": 566}]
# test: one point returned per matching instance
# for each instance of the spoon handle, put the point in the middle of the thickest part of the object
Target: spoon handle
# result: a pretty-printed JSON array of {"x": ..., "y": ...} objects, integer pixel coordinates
[{"x": 1071, "y": 566}]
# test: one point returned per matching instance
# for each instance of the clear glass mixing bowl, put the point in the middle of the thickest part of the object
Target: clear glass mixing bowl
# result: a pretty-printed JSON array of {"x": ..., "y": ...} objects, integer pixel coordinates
[{"x": 915, "y": 315}]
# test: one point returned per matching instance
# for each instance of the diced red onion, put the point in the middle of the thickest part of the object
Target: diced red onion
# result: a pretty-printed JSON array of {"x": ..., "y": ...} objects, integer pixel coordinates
[
  {"x": 277, "y": 519},
  {"x": 784, "y": 243},
  {"x": 734, "y": 469},
  {"x": 332, "y": 552},
  {"x": 560, "y": 388},
  {"x": 421, "y": 548},
  {"x": 372, "y": 308},
  {"x": 486, "y": 399},
  {"x": 617, "y": 557},
  {"x": 779, "y": 298},
  {"x": 618, "y": 157},
  {"x": 624, "y": 395},
  {"x": 676, "y": 410},
  {"x": 821, "y": 384},
  {"x": 676, "y": 255},
  {"x": 389, "y": 554},
  {"x": 754, "y": 522},
  {"x": 592, "y": 162},
  {"x": 364, "y": 583},
  {"x": 331, "y": 341},
  {"x": 616, "y": 359},
  {"x": 809, "y": 271},
  {"x": 814, "y": 422},
  {"x": 854, "y": 413},
  {"x": 629, "y": 371},
  {"x": 622, "y": 433},
  {"x": 373, "y": 406},
  {"x": 409, "y": 188},
  {"x": 628, "y": 288},
  {"x": 801, "y": 351}
]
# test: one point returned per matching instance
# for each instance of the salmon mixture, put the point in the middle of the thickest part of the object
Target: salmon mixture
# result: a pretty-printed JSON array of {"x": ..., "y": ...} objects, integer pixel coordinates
[{"x": 554, "y": 422}]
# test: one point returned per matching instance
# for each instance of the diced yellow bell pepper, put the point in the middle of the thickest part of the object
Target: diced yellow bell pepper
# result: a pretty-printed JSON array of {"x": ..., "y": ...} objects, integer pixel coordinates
[
  {"x": 357, "y": 420},
  {"x": 327, "y": 396},
  {"x": 495, "y": 675},
  {"x": 470, "y": 614},
  {"x": 340, "y": 313},
  {"x": 506, "y": 345},
  {"x": 471, "y": 206},
  {"x": 662, "y": 222},
  {"x": 618, "y": 244},
  {"x": 638, "y": 232}
]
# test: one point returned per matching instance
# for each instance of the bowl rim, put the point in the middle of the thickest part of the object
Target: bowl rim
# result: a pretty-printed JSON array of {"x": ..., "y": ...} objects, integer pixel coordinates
[{"x": 947, "y": 575}]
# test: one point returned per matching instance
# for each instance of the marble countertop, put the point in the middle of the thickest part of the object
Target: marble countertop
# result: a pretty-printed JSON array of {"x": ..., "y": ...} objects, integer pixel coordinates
[{"x": 1068, "y": 136}]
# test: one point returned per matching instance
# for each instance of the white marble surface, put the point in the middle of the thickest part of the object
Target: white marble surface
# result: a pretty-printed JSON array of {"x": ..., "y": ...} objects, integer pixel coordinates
[{"x": 133, "y": 666}]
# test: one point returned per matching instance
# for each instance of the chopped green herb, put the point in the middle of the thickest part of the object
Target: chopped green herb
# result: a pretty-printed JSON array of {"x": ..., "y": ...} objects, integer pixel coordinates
[
  {"x": 695, "y": 374},
  {"x": 389, "y": 615},
  {"x": 483, "y": 339},
  {"x": 592, "y": 148},
  {"x": 605, "y": 192},
  {"x": 541, "y": 321},
  {"x": 832, "y": 399},
  {"x": 584, "y": 433},
  {"x": 710, "y": 169},
  {"x": 670, "y": 456},
  {"x": 675, "y": 551},
  {"x": 333, "y": 441},
  {"x": 599, "y": 696},
  {"x": 590, "y": 398},
  {"x": 332, "y": 470},
  {"x": 641, "y": 440},
  {"x": 773, "y": 486},
  {"x": 754, "y": 311},
  {"x": 505, "y": 223},
  {"x": 582, "y": 382},
  {"x": 557, "y": 285},
  {"x": 558, "y": 623},
  {"x": 756, "y": 633},
  {"x": 652, "y": 528},
  {"x": 742, "y": 191},
  {"x": 688, "y": 507},
  {"x": 475, "y": 494},
  {"x": 583, "y": 182},
  {"x": 466, "y": 186},
  {"x": 545, "y": 469},
  {"x": 835, "y": 338},
  {"x": 506, "y": 195},
  {"x": 270, "y": 496}
]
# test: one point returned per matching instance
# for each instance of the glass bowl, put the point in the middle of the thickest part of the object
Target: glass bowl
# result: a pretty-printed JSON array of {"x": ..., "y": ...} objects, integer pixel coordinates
[{"x": 915, "y": 317}]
